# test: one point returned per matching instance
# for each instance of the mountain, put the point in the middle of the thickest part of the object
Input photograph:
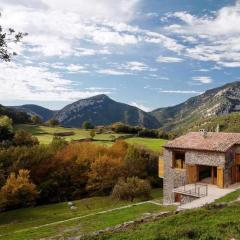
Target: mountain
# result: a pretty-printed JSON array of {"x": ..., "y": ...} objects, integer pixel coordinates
[
  {"x": 102, "y": 110},
  {"x": 215, "y": 102},
  {"x": 32, "y": 109}
]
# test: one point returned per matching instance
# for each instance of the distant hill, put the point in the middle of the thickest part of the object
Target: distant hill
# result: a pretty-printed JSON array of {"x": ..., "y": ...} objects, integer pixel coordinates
[
  {"x": 215, "y": 102},
  {"x": 16, "y": 115},
  {"x": 32, "y": 109},
  {"x": 102, "y": 110}
]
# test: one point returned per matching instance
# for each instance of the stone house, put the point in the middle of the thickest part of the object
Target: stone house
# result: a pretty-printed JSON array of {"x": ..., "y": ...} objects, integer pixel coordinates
[{"x": 199, "y": 157}]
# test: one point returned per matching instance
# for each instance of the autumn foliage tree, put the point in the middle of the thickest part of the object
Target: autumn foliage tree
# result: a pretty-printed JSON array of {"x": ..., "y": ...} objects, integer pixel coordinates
[
  {"x": 104, "y": 173},
  {"x": 131, "y": 188},
  {"x": 18, "y": 191}
]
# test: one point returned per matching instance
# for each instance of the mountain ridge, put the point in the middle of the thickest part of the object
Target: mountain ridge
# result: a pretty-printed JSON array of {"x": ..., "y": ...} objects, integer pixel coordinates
[
  {"x": 217, "y": 101},
  {"x": 102, "y": 110}
]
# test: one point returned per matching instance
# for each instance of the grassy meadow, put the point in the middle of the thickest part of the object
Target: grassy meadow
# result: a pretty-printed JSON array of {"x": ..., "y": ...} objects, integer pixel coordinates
[
  {"x": 30, "y": 223},
  {"x": 202, "y": 224},
  {"x": 45, "y": 136}
]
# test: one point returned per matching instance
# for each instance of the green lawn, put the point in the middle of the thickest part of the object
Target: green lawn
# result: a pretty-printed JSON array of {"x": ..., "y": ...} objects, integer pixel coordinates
[
  {"x": 229, "y": 197},
  {"x": 199, "y": 224},
  {"x": 19, "y": 224},
  {"x": 45, "y": 136},
  {"x": 150, "y": 143}
]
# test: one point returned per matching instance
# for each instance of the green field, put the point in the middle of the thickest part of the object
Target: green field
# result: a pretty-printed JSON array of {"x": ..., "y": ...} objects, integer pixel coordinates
[
  {"x": 199, "y": 224},
  {"x": 149, "y": 143},
  {"x": 29, "y": 223},
  {"x": 45, "y": 136}
]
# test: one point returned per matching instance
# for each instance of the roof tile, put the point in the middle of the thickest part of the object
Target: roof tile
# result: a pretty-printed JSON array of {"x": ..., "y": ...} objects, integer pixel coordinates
[{"x": 219, "y": 142}]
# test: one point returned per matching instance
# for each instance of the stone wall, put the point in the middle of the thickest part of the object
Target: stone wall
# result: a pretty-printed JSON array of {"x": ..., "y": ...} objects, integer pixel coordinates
[
  {"x": 173, "y": 178},
  {"x": 205, "y": 158}
]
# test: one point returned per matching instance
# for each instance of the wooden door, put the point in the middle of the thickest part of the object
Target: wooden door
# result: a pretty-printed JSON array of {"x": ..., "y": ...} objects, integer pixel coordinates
[
  {"x": 220, "y": 177},
  {"x": 237, "y": 159},
  {"x": 234, "y": 173},
  {"x": 192, "y": 173}
]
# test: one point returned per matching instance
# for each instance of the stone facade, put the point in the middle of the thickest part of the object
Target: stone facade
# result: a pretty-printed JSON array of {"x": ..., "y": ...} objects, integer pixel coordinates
[{"x": 174, "y": 178}]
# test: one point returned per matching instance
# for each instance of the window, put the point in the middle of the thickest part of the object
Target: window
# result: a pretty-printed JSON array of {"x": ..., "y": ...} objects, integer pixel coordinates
[{"x": 179, "y": 160}]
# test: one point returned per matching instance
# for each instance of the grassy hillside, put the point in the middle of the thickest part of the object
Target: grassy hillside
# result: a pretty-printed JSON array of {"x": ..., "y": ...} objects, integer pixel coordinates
[
  {"x": 45, "y": 136},
  {"x": 227, "y": 123},
  {"x": 201, "y": 224},
  {"x": 30, "y": 223}
]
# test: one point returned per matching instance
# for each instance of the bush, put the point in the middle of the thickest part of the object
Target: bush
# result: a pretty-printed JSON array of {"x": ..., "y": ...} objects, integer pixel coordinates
[
  {"x": 18, "y": 191},
  {"x": 87, "y": 125},
  {"x": 24, "y": 138},
  {"x": 132, "y": 188},
  {"x": 36, "y": 120},
  {"x": 53, "y": 122}
]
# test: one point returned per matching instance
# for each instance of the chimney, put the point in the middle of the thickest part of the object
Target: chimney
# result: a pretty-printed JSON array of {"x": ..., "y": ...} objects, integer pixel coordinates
[{"x": 204, "y": 132}]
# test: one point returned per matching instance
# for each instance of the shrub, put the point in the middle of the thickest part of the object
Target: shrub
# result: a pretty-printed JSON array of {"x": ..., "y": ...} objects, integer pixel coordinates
[
  {"x": 24, "y": 138},
  {"x": 58, "y": 143},
  {"x": 18, "y": 191},
  {"x": 53, "y": 122},
  {"x": 132, "y": 188},
  {"x": 36, "y": 120},
  {"x": 87, "y": 125}
]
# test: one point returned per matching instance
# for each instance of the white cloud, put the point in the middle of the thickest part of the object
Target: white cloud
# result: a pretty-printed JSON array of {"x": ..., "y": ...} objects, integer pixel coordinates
[
  {"x": 136, "y": 66},
  {"x": 203, "y": 79},
  {"x": 73, "y": 68},
  {"x": 212, "y": 38},
  {"x": 180, "y": 91},
  {"x": 100, "y": 89},
  {"x": 165, "y": 59},
  {"x": 140, "y": 106},
  {"x": 56, "y": 27},
  {"x": 38, "y": 84},
  {"x": 114, "y": 72}
]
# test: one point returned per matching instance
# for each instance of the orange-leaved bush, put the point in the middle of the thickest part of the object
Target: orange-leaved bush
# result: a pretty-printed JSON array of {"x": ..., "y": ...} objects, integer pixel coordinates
[{"x": 18, "y": 191}]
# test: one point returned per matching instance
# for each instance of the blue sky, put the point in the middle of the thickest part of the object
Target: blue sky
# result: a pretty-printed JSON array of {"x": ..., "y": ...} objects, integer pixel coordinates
[{"x": 147, "y": 53}]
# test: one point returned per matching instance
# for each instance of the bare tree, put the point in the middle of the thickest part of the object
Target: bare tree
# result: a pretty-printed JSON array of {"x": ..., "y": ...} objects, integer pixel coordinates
[{"x": 6, "y": 37}]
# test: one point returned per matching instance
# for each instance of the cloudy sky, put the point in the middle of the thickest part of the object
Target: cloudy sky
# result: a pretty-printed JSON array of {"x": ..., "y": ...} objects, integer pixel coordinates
[{"x": 147, "y": 53}]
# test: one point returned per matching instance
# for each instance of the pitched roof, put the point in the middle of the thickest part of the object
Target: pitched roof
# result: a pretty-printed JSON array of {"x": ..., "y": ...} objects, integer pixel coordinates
[{"x": 218, "y": 142}]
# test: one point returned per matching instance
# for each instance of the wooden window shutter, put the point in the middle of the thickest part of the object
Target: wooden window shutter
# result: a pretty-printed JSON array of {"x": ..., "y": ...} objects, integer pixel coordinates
[
  {"x": 220, "y": 177},
  {"x": 161, "y": 168}
]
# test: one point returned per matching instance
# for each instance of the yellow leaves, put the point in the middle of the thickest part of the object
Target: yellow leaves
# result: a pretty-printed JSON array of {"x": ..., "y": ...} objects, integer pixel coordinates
[{"x": 19, "y": 190}]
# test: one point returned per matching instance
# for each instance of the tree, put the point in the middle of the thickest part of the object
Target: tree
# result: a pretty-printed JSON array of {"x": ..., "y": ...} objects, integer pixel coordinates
[
  {"x": 135, "y": 164},
  {"x": 7, "y": 37},
  {"x": 19, "y": 191},
  {"x": 104, "y": 173},
  {"x": 24, "y": 138},
  {"x": 36, "y": 120},
  {"x": 92, "y": 133},
  {"x": 87, "y": 125},
  {"x": 5, "y": 121},
  {"x": 53, "y": 122},
  {"x": 58, "y": 143},
  {"x": 6, "y": 128},
  {"x": 132, "y": 188}
]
